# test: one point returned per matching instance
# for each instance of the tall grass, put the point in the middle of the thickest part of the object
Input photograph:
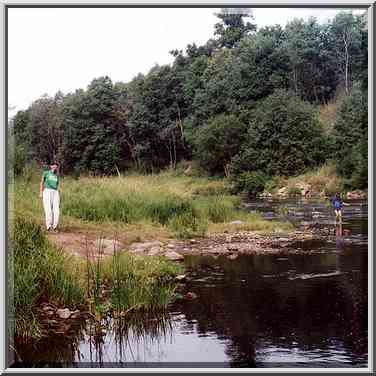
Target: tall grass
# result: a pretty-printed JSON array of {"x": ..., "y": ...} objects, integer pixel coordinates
[
  {"x": 178, "y": 206},
  {"x": 39, "y": 271},
  {"x": 140, "y": 283}
]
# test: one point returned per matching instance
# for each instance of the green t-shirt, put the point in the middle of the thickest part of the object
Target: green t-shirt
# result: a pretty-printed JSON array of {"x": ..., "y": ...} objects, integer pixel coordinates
[{"x": 50, "y": 180}]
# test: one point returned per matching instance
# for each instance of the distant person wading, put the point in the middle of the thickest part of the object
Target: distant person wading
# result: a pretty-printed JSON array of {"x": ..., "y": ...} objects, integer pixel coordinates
[
  {"x": 49, "y": 192},
  {"x": 337, "y": 205}
]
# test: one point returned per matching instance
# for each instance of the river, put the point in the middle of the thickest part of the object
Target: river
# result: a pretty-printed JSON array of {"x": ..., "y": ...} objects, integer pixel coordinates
[{"x": 301, "y": 310}]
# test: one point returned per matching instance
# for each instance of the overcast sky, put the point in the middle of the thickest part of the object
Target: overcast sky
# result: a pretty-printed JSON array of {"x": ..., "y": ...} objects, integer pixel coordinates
[{"x": 64, "y": 49}]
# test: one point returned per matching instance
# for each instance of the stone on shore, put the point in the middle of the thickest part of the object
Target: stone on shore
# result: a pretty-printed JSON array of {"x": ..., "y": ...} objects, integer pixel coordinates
[
  {"x": 108, "y": 245},
  {"x": 174, "y": 256},
  {"x": 236, "y": 222}
]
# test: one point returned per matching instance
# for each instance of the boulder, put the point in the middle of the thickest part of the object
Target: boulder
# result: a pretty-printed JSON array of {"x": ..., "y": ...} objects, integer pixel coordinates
[
  {"x": 174, "y": 256},
  {"x": 108, "y": 245}
]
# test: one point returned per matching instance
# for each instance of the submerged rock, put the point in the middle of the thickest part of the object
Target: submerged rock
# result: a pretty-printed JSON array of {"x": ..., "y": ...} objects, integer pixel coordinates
[{"x": 191, "y": 295}]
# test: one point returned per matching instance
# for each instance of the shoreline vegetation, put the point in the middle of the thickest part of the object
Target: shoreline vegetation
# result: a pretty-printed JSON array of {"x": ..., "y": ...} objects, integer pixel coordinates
[
  {"x": 152, "y": 221},
  {"x": 133, "y": 208}
]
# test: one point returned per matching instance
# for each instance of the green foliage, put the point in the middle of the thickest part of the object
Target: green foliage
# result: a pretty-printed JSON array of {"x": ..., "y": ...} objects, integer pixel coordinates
[
  {"x": 284, "y": 137},
  {"x": 38, "y": 270},
  {"x": 250, "y": 183},
  {"x": 136, "y": 283},
  {"x": 203, "y": 104},
  {"x": 232, "y": 28},
  {"x": 218, "y": 142},
  {"x": 350, "y": 133}
]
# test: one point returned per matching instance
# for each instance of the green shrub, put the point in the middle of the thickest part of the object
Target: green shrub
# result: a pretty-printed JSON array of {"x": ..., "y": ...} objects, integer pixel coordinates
[
  {"x": 188, "y": 225},
  {"x": 218, "y": 141},
  {"x": 284, "y": 137},
  {"x": 350, "y": 133},
  {"x": 250, "y": 183}
]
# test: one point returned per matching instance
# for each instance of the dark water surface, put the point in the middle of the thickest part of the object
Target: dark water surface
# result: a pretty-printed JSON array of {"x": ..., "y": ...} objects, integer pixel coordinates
[{"x": 254, "y": 311}]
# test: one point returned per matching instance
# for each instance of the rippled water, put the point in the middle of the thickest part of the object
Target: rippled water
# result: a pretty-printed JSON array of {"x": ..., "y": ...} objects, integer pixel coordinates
[{"x": 255, "y": 311}]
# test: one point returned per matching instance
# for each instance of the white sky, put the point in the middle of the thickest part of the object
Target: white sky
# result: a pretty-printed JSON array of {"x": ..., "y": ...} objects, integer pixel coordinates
[{"x": 64, "y": 49}]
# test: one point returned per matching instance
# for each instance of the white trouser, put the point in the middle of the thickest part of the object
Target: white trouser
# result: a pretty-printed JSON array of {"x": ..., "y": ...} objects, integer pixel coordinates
[{"x": 51, "y": 203}]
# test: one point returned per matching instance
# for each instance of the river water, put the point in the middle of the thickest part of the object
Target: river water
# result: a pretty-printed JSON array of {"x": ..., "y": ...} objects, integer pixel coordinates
[{"x": 307, "y": 310}]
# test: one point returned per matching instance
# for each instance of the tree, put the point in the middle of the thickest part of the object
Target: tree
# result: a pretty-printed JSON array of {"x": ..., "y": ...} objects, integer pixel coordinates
[
  {"x": 232, "y": 28},
  {"x": 284, "y": 137},
  {"x": 218, "y": 142},
  {"x": 309, "y": 52},
  {"x": 350, "y": 132},
  {"x": 346, "y": 40}
]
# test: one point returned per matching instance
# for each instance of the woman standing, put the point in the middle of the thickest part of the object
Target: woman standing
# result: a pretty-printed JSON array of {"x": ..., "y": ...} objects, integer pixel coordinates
[{"x": 49, "y": 191}]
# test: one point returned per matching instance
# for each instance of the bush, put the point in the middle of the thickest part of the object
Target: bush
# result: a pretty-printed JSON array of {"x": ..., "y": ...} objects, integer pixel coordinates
[
  {"x": 284, "y": 137},
  {"x": 188, "y": 225},
  {"x": 250, "y": 183},
  {"x": 350, "y": 132},
  {"x": 218, "y": 141}
]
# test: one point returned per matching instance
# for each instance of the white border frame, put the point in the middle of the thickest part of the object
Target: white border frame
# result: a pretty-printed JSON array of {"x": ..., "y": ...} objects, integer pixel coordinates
[{"x": 266, "y": 3}]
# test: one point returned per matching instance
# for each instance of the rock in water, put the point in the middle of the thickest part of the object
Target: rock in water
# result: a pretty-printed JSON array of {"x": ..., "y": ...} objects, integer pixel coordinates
[
  {"x": 233, "y": 257},
  {"x": 190, "y": 295},
  {"x": 63, "y": 313},
  {"x": 174, "y": 256}
]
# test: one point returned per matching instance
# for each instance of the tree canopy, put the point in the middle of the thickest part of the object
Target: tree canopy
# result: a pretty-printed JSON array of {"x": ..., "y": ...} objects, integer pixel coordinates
[{"x": 244, "y": 101}]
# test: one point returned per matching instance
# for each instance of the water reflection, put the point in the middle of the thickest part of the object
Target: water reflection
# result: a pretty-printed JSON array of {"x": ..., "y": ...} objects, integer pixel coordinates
[{"x": 307, "y": 316}]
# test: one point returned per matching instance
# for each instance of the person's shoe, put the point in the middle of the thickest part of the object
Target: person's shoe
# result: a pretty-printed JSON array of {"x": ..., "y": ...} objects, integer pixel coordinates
[
  {"x": 55, "y": 230},
  {"x": 49, "y": 229}
]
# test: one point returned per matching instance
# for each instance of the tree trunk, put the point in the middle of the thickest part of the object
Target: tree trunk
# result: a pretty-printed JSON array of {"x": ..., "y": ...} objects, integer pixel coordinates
[{"x": 347, "y": 57}]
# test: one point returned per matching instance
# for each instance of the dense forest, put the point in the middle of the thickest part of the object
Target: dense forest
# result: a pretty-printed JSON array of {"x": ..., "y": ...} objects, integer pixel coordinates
[{"x": 246, "y": 104}]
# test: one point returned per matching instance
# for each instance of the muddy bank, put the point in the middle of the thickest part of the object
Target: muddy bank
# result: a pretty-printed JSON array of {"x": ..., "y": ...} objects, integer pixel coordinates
[{"x": 231, "y": 244}]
